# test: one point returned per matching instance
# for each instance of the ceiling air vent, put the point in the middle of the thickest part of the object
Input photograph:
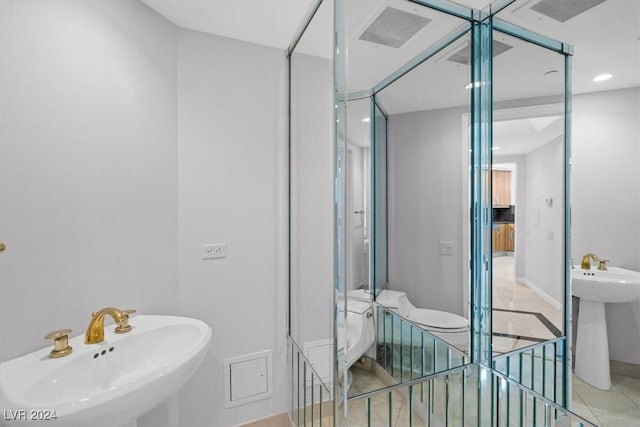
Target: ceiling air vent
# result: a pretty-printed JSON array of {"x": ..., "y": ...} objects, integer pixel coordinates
[
  {"x": 462, "y": 56},
  {"x": 393, "y": 27},
  {"x": 563, "y": 10}
]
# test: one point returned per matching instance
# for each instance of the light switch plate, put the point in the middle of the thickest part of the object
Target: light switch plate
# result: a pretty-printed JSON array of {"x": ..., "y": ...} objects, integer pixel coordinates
[{"x": 446, "y": 248}]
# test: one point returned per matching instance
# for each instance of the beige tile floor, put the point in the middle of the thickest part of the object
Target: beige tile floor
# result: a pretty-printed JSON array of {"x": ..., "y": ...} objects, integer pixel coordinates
[
  {"x": 509, "y": 295},
  {"x": 618, "y": 407}
]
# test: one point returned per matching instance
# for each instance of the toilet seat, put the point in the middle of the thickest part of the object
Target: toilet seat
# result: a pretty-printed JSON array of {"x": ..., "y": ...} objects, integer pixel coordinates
[
  {"x": 432, "y": 320},
  {"x": 436, "y": 320}
]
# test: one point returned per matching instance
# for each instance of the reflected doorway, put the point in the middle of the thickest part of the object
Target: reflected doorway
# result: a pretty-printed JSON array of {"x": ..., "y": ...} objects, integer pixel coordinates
[{"x": 524, "y": 226}]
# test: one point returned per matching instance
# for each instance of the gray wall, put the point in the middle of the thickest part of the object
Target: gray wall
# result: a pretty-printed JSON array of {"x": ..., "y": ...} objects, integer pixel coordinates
[
  {"x": 230, "y": 121},
  {"x": 88, "y": 176},
  {"x": 88, "y": 179},
  {"x": 605, "y": 186},
  {"x": 311, "y": 199},
  {"x": 126, "y": 144},
  {"x": 544, "y": 225},
  {"x": 425, "y": 201},
  {"x": 425, "y": 207}
]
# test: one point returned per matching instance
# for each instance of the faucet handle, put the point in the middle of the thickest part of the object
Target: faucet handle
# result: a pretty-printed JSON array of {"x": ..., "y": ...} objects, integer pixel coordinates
[
  {"x": 602, "y": 264},
  {"x": 124, "y": 326},
  {"x": 61, "y": 345}
]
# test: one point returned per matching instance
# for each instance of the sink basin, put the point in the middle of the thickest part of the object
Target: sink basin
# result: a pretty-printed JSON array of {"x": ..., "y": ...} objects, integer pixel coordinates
[
  {"x": 107, "y": 384},
  {"x": 613, "y": 285},
  {"x": 595, "y": 288}
]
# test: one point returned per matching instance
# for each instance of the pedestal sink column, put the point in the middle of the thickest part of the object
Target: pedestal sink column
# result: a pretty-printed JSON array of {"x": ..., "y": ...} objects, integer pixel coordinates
[{"x": 592, "y": 345}]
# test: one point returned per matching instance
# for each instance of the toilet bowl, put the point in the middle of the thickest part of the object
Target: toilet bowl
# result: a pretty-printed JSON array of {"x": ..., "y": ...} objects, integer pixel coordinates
[
  {"x": 357, "y": 335},
  {"x": 360, "y": 330},
  {"x": 449, "y": 327}
]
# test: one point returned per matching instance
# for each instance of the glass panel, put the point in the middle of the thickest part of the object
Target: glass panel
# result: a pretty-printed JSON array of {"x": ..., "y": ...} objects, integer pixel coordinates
[
  {"x": 379, "y": 196},
  {"x": 431, "y": 207},
  {"x": 528, "y": 198},
  {"x": 468, "y": 396},
  {"x": 427, "y": 173},
  {"x": 403, "y": 221},
  {"x": 310, "y": 212},
  {"x": 311, "y": 403}
]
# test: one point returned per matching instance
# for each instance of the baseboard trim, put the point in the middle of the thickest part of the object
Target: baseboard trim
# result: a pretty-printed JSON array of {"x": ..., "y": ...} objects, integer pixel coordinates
[
  {"x": 278, "y": 420},
  {"x": 624, "y": 368},
  {"x": 542, "y": 294}
]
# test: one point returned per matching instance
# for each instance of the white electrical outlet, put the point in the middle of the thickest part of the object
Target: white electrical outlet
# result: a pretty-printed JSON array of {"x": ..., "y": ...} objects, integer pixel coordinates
[{"x": 214, "y": 250}]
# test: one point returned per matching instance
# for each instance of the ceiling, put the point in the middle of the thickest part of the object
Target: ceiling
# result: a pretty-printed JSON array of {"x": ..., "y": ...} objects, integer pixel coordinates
[
  {"x": 606, "y": 38},
  {"x": 521, "y": 136}
]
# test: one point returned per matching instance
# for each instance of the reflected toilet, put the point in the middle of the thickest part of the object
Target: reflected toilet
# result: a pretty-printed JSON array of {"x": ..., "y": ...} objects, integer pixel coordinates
[
  {"x": 450, "y": 327},
  {"x": 360, "y": 333}
]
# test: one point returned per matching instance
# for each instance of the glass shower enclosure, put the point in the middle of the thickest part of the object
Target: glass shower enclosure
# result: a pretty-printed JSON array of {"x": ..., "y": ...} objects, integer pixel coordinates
[{"x": 396, "y": 316}]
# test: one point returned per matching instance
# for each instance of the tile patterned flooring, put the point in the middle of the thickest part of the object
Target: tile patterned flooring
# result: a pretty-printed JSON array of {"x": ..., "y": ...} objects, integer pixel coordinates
[
  {"x": 518, "y": 326},
  {"x": 618, "y": 407},
  {"x": 519, "y": 311}
]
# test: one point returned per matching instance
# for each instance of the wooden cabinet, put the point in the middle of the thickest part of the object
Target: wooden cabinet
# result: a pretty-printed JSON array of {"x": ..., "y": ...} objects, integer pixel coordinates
[
  {"x": 510, "y": 237},
  {"x": 504, "y": 237},
  {"x": 501, "y": 188}
]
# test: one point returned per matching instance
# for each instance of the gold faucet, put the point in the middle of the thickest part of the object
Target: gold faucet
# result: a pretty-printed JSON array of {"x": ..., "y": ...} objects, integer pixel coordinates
[
  {"x": 95, "y": 331},
  {"x": 586, "y": 260}
]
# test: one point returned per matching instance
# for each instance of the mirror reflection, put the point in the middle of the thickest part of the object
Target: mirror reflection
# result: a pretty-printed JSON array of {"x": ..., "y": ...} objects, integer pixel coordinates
[
  {"x": 527, "y": 195},
  {"x": 310, "y": 200},
  {"x": 404, "y": 194}
]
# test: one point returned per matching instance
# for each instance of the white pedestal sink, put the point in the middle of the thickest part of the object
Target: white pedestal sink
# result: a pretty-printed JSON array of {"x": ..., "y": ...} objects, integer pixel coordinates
[
  {"x": 595, "y": 288},
  {"x": 107, "y": 384}
]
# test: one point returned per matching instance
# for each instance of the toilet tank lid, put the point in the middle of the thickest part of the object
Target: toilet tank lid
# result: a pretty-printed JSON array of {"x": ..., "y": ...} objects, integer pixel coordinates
[
  {"x": 390, "y": 299},
  {"x": 359, "y": 294},
  {"x": 358, "y": 307}
]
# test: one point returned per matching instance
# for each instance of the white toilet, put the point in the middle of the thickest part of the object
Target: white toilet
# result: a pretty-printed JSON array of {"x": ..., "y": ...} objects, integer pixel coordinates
[
  {"x": 450, "y": 327},
  {"x": 360, "y": 333}
]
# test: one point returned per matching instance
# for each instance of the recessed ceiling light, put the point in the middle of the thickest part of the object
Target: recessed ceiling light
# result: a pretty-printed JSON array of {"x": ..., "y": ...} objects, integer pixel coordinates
[
  {"x": 602, "y": 77},
  {"x": 495, "y": 148},
  {"x": 366, "y": 120},
  {"x": 470, "y": 85}
]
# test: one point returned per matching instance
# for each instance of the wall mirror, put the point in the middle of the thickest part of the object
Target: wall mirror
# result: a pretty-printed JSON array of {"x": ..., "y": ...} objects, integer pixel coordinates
[
  {"x": 404, "y": 244},
  {"x": 415, "y": 165},
  {"x": 310, "y": 194},
  {"x": 528, "y": 194},
  {"x": 413, "y": 236}
]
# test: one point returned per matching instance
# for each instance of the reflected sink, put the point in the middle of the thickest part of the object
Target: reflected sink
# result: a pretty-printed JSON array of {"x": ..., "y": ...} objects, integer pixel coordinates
[
  {"x": 613, "y": 285},
  {"x": 595, "y": 288},
  {"x": 107, "y": 384}
]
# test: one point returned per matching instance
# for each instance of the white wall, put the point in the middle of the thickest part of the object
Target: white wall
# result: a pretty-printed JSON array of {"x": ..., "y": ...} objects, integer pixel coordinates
[
  {"x": 605, "y": 187},
  {"x": 605, "y": 198},
  {"x": 358, "y": 265},
  {"x": 544, "y": 225},
  {"x": 88, "y": 174},
  {"x": 230, "y": 111},
  {"x": 425, "y": 197},
  {"x": 311, "y": 199},
  {"x": 106, "y": 130}
]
